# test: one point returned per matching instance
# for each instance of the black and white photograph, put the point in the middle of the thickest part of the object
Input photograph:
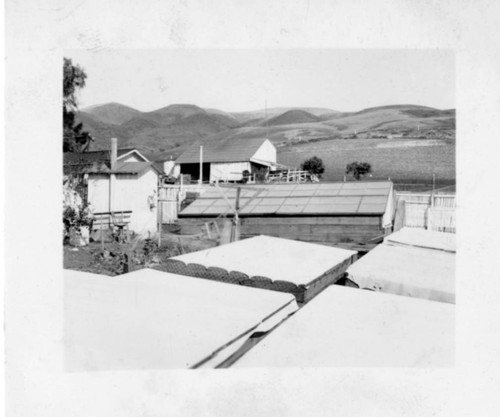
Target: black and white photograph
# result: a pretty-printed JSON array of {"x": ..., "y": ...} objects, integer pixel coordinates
[
  {"x": 267, "y": 208},
  {"x": 258, "y": 208}
]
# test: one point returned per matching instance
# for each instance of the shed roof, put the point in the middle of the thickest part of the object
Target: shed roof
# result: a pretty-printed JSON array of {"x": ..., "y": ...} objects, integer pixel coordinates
[
  {"x": 416, "y": 237},
  {"x": 407, "y": 270},
  {"x": 342, "y": 198},
  {"x": 272, "y": 257},
  {"x": 149, "y": 319},
  {"x": 232, "y": 150},
  {"x": 348, "y": 327},
  {"x": 83, "y": 158}
]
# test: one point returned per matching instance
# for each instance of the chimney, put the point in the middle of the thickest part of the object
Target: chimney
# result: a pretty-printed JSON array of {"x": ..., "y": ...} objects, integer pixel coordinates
[{"x": 114, "y": 153}]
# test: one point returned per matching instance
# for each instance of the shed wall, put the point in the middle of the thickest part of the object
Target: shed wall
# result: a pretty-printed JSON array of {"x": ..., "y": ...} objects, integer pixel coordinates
[
  {"x": 131, "y": 192},
  {"x": 228, "y": 171},
  {"x": 321, "y": 229}
]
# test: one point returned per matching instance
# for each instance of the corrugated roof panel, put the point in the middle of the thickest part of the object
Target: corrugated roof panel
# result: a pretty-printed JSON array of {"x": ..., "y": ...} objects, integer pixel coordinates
[
  {"x": 327, "y": 191},
  {"x": 297, "y": 200},
  {"x": 371, "y": 208},
  {"x": 335, "y": 200},
  {"x": 351, "y": 191},
  {"x": 304, "y": 193},
  {"x": 290, "y": 208},
  {"x": 193, "y": 209},
  {"x": 272, "y": 201},
  {"x": 278, "y": 193},
  {"x": 317, "y": 208},
  {"x": 301, "y": 187},
  {"x": 268, "y": 209},
  {"x": 217, "y": 210},
  {"x": 204, "y": 202},
  {"x": 377, "y": 199},
  {"x": 353, "y": 185},
  {"x": 377, "y": 185}
]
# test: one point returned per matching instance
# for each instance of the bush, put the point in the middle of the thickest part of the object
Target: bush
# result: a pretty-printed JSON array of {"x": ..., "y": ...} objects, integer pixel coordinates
[
  {"x": 358, "y": 169},
  {"x": 314, "y": 165}
]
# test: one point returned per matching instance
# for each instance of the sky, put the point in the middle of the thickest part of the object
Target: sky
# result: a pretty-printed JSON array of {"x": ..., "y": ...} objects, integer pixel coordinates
[{"x": 249, "y": 79}]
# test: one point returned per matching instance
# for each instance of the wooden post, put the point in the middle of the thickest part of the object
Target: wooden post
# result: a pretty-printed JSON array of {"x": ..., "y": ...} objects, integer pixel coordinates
[
  {"x": 102, "y": 235},
  {"x": 160, "y": 219},
  {"x": 200, "y": 181}
]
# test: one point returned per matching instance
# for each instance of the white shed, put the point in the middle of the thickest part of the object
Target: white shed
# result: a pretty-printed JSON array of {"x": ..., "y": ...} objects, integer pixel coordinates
[
  {"x": 349, "y": 327},
  {"x": 227, "y": 160},
  {"x": 149, "y": 319},
  {"x": 126, "y": 186}
]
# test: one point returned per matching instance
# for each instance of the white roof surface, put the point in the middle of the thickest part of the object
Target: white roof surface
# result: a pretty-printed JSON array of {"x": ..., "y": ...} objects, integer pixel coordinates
[
  {"x": 348, "y": 327},
  {"x": 272, "y": 257},
  {"x": 423, "y": 238},
  {"x": 406, "y": 270},
  {"x": 152, "y": 320}
]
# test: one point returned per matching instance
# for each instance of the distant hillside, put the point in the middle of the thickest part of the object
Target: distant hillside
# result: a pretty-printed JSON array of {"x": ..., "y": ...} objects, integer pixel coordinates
[
  {"x": 291, "y": 117},
  {"x": 171, "y": 129},
  {"x": 111, "y": 113}
]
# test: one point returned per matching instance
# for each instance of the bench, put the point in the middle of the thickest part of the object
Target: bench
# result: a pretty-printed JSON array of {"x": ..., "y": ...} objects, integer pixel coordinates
[{"x": 117, "y": 221}]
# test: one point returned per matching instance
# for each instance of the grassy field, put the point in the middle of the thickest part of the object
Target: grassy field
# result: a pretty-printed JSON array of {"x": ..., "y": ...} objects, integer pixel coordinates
[{"x": 403, "y": 160}]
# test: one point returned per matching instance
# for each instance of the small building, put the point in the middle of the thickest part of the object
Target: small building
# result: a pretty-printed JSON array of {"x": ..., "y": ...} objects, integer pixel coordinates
[
  {"x": 411, "y": 262},
  {"x": 299, "y": 268},
  {"x": 228, "y": 160},
  {"x": 125, "y": 185},
  {"x": 327, "y": 213},
  {"x": 149, "y": 319},
  {"x": 348, "y": 327}
]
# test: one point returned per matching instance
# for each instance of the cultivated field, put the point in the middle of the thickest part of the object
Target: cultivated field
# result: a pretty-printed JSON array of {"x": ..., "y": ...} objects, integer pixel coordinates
[{"x": 403, "y": 160}]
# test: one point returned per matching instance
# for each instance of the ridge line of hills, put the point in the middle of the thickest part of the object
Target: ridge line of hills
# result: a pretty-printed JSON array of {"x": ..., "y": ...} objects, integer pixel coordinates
[{"x": 171, "y": 129}]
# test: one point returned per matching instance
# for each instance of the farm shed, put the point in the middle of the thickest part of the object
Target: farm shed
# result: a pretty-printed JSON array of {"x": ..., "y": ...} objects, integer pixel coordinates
[
  {"x": 303, "y": 269},
  {"x": 149, "y": 319},
  {"x": 348, "y": 327},
  {"x": 125, "y": 186},
  {"x": 326, "y": 213},
  {"x": 412, "y": 262},
  {"x": 226, "y": 161}
]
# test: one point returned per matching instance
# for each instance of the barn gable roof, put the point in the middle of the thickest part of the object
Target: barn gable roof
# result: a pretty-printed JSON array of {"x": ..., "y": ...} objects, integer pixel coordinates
[
  {"x": 332, "y": 199},
  {"x": 233, "y": 150}
]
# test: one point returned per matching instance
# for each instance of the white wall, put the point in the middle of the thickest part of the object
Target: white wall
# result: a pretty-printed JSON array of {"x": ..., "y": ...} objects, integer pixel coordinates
[
  {"x": 267, "y": 152},
  {"x": 131, "y": 192},
  {"x": 390, "y": 208},
  {"x": 230, "y": 171}
]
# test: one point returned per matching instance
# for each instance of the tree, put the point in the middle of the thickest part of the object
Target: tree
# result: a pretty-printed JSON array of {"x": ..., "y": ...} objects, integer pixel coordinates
[
  {"x": 74, "y": 138},
  {"x": 314, "y": 165},
  {"x": 358, "y": 169}
]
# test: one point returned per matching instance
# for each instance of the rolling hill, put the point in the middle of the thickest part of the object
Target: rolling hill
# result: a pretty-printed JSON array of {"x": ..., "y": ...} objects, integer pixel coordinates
[{"x": 168, "y": 131}]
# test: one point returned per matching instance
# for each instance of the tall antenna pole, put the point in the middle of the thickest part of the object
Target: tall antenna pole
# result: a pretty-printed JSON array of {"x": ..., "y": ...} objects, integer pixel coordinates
[{"x": 265, "y": 121}]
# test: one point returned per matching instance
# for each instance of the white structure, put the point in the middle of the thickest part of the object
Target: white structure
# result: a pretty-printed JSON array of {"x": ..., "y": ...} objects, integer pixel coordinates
[
  {"x": 411, "y": 262},
  {"x": 348, "y": 327},
  {"x": 129, "y": 184},
  {"x": 302, "y": 268},
  {"x": 226, "y": 161},
  {"x": 149, "y": 319}
]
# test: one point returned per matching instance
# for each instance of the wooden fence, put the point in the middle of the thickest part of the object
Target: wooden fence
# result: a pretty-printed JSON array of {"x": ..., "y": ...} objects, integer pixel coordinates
[{"x": 428, "y": 211}]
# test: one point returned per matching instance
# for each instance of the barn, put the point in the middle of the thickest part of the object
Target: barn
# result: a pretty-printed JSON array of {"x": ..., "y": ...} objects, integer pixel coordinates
[
  {"x": 227, "y": 160},
  {"x": 327, "y": 213}
]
